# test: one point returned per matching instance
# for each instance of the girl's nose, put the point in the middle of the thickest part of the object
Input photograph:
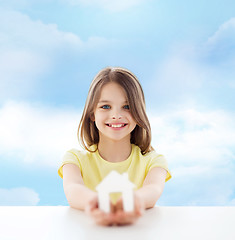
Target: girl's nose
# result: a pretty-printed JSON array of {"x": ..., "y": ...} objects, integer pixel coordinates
[{"x": 116, "y": 115}]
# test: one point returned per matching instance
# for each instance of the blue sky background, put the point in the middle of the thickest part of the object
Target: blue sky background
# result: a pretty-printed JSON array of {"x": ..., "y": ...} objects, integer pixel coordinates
[{"x": 183, "y": 53}]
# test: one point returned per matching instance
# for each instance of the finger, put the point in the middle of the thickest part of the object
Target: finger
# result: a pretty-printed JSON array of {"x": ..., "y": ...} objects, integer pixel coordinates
[
  {"x": 102, "y": 218},
  {"x": 112, "y": 208},
  {"x": 139, "y": 209},
  {"x": 119, "y": 204},
  {"x": 97, "y": 215},
  {"x": 126, "y": 221},
  {"x": 139, "y": 205},
  {"x": 92, "y": 204},
  {"x": 125, "y": 218}
]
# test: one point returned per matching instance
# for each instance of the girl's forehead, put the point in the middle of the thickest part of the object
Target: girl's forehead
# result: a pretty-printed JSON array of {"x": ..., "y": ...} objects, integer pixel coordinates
[{"x": 112, "y": 91}]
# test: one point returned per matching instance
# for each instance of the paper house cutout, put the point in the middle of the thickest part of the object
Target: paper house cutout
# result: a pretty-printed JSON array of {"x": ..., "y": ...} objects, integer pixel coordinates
[{"x": 115, "y": 183}]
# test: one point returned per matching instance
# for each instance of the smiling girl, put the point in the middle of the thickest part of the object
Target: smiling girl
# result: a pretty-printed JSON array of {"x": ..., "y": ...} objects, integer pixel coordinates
[{"x": 116, "y": 135}]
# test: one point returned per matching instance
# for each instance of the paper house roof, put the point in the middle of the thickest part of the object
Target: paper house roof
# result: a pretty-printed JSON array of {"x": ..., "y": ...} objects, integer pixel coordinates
[{"x": 115, "y": 182}]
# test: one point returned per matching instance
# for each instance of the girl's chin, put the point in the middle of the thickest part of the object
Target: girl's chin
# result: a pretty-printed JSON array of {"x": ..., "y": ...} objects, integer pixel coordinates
[{"x": 115, "y": 138}]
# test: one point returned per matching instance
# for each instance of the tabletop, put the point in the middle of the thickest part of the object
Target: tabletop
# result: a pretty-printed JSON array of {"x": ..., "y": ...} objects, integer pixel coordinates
[{"x": 62, "y": 222}]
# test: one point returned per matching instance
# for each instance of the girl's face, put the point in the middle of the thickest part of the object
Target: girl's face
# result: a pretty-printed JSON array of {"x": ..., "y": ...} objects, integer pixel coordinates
[{"x": 112, "y": 115}]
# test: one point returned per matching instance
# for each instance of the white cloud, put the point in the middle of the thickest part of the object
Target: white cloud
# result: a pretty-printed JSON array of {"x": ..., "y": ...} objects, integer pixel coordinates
[
  {"x": 193, "y": 137},
  {"x": 14, "y": 3},
  {"x": 180, "y": 76},
  {"x": 220, "y": 47},
  {"x": 190, "y": 72},
  {"x": 19, "y": 70},
  {"x": 18, "y": 197},
  {"x": 19, "y": 30},
  {"x": 29, "y": 49},
  {"x": 225, "y": 34},
  {"x": 199, "y": 145},
  {"x": 114, "y": 5},
  {"x": 200, "y": 150},
  {"x": 180, "y": 73},
  {"x": 36, "y": 135},
  {"x": 232, "y": 203},
  {"x": 26, "y": 51}
]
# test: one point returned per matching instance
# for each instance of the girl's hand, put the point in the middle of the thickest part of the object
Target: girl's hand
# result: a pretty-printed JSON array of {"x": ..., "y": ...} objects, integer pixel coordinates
[
  {"x": 117, "y": 216},
  {"x": 125, "y": 218},
  {"x": 100, "y": 217}
]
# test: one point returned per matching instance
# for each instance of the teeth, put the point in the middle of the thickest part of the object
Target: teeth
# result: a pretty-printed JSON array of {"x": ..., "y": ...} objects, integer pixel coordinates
[{"x": 117, "y": 125}]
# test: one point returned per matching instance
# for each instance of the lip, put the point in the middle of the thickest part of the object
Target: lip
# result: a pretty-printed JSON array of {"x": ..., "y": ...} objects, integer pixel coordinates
[{"x": 116, "y": 126}]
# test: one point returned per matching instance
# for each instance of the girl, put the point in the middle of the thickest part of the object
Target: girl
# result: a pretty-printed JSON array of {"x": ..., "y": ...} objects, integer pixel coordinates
[{"x": 115, "y": 132}]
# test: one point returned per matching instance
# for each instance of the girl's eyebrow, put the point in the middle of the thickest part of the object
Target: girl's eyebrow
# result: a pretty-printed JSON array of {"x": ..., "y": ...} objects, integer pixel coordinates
[
  {"x": 103, "y": 101},
  {"x": 107, "y": 101}
]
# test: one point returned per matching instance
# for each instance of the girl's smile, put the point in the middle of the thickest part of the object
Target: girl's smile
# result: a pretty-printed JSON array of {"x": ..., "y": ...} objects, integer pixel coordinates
[{"x": 116, "y": 126}]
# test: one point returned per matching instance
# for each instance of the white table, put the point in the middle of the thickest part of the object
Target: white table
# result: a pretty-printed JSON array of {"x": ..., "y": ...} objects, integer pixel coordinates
[{"x": 44, "y": 223}]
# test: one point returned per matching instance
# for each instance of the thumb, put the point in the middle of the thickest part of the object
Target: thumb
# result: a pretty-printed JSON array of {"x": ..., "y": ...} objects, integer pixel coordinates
[{"x": 91, "y": 205}]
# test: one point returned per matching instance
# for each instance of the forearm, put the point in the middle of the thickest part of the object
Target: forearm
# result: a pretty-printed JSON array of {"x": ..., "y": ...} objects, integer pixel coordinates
[
  {"x": 78, "y": 195},
  {"x": 149, "y": 194}
]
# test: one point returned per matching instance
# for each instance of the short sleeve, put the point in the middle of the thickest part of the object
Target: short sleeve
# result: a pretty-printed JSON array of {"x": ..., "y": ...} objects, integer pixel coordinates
[
  {"x": 158, "y": 160},
  {"x": 69, "y": 157}
]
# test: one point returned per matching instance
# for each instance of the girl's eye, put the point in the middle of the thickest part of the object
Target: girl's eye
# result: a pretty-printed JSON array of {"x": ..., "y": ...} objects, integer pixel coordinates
[
  {"x": 126, "y": 107},
  {"x": 106, "y": 107}
]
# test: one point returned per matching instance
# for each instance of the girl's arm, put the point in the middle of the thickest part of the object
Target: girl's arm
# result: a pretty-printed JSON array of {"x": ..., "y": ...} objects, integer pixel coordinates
[
  {"x": 77, "y": 194},
  {"x": 81, "y": 197},
  {"x": 152, "y": 187}
]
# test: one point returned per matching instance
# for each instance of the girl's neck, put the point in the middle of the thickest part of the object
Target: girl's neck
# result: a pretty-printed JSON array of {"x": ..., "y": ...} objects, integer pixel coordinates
[{"x": 114, "y": 151}]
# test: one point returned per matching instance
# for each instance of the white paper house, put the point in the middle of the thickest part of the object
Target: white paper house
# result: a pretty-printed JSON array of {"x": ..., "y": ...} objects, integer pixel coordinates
[{"x": 115, "y": 183}]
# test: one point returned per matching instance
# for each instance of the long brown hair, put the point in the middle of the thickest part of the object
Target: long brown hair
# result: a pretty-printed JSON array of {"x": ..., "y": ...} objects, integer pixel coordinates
[{"x": 88, "y": 133}]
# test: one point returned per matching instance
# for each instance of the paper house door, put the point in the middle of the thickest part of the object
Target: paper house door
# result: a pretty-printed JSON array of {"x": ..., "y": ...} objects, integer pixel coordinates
[{"x": 115, "y": 183}]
